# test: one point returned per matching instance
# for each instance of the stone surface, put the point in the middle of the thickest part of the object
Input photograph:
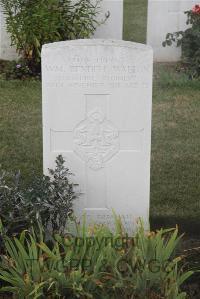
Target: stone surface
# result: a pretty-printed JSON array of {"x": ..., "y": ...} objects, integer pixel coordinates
[
  {"x": 113, "y": 27},
  {"x": 166, "y": 16},
  {"x": 6, "y": 51},
  {"x": 97, "y": 97}
]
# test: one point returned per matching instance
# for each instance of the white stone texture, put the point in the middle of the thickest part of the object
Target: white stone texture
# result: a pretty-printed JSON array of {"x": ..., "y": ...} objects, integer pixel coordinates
[
  {"x": 166, "y": 16},
  {"x": 97, "y": 97},
  {"x": 6, "y": 51},
  {"x": 113, "y": 27}
]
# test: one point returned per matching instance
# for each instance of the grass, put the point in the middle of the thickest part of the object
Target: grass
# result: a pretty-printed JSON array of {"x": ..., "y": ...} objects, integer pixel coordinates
[
  {"x": 175, "y": 172},
  {"x": 20, "y": 127},
  {"x": 175, "y": 142},
  {"x": 135, "y": 20}
]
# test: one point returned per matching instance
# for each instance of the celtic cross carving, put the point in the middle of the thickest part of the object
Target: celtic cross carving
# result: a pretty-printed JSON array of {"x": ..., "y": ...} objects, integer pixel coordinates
[{"x": 96, "y": 140}]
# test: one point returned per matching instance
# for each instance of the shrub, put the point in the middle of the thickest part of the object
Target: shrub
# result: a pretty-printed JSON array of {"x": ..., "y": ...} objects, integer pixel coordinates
[
  {"x": 95, "y": 263},
  {"x": 47, "y": 200},
  {"x": 189, "y": 40},
  {"x": 19, "y": 70},
  {"x": 32, "y": 23}
]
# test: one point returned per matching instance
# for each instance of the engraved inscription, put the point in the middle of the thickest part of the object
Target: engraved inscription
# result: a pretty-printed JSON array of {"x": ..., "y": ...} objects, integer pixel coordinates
[
  {"x": 96, "y": 140},
  {"x": 105, "y": 217},
  {"x": 97, "y": 72}
]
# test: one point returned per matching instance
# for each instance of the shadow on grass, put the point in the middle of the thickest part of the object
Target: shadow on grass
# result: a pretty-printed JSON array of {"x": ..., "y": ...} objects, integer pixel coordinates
[{"x": 186, "y": 225}]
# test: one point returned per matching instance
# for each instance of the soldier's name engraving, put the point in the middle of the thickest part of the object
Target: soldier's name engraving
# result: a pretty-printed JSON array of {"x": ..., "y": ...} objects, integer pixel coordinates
[{"x": 86, "y": 72}]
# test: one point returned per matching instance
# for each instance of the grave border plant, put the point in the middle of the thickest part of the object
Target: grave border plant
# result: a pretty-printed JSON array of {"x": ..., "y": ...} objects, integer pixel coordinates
[
  {"x": 189, "y": 41},
  {"x": 146, "y": 266},
  {"x": 47, "y": 200}
]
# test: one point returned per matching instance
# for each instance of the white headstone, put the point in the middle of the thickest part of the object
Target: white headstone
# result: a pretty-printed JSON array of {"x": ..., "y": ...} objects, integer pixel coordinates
[
  {"x": 6, "y": 51},
  {"x": 166, "y": 16},
  {"x": 113, "y": 27},
  {"x": 97, "y": 97}
]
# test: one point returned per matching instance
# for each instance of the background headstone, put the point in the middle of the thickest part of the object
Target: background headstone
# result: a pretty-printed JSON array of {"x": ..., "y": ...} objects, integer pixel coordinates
[
  {"x": 113, "y": 27},
  {"x": 97, "y": 97},
  {"x": 166, "y": 16},
  {"x": 6, "y": 51}
]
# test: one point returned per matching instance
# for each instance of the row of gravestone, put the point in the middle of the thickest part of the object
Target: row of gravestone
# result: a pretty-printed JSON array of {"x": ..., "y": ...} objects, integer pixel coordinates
[{"x": 163, "y": 16}]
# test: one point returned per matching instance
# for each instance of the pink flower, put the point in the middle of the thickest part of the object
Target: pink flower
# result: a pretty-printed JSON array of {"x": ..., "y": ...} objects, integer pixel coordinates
[
  {"x": 18, "y": 66},
  {"x": 196, "y": 9}
]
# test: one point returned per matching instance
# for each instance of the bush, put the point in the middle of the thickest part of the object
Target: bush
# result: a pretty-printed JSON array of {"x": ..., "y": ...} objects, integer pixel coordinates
[
  {"x": 189, "y": 40},
  {"x": 95, "y": 263},
  {"x": 19, "y": 70},
  {"x": 32, "y": 23},
  {"x": 47, "y": 200}
]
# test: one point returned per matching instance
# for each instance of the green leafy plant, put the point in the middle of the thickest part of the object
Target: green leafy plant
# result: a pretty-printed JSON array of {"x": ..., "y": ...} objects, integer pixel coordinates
[
  {"x": 27, "y": 273},
  {"x": 47, "y": 200},
  {"x": 32, "y": 23},
  {"x": 95, "y": 262},
  {"x": 189, "y": 40}
]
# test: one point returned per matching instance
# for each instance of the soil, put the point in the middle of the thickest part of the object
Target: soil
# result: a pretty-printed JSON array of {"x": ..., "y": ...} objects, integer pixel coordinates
[{"x": 191, "y": 250}]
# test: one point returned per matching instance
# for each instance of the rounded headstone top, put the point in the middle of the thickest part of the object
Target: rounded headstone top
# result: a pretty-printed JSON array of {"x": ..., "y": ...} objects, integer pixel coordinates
[{"x": 98, "y": 42}]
